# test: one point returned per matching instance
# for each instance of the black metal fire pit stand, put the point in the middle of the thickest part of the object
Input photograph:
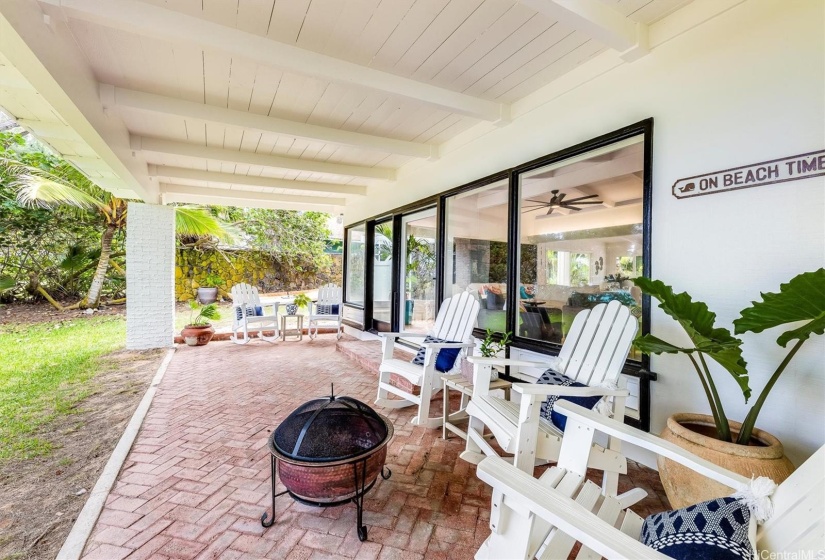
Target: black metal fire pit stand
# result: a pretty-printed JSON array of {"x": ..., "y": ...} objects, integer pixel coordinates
[{"x": 361, "y": 488}]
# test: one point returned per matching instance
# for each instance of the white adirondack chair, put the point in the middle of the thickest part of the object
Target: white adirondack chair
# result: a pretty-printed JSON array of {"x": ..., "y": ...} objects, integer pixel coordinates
[
  {"x": 593, "y": 354},
  {"x": 545, "y": 517},
  {"x": 327, "y": 295},
  {"x": 456, "y": 318},
  {"x": 245, "y": 297}
]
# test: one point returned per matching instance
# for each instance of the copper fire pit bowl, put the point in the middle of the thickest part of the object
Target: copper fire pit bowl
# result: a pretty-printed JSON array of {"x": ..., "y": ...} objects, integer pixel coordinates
[{"x": 329, "y": 452}]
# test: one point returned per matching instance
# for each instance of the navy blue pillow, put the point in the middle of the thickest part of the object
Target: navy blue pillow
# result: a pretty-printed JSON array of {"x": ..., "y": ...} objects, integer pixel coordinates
[
  {"x": 324, "y": 309},
  {"x": 552, "y": 377},
  {"x": 712, "y": 530},
  {"x": 250, "y": 312},
  {"x": 444, "y": 360}
]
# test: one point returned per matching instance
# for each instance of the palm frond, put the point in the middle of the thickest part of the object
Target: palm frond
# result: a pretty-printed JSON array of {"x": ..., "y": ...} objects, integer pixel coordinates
[
  {"x": 191, "y": 220},
  {"x": 37, "y": 187}
]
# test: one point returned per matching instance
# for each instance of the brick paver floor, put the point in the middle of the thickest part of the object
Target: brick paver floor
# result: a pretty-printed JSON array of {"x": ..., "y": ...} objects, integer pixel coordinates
[{"x": 197, "y": 479}]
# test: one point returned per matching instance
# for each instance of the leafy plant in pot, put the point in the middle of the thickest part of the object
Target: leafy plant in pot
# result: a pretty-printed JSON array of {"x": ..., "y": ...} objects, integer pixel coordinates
[
  {"x": 199, "y": 331},
  {"x": 492, "y": 345},
  {"x": 301, "y": 301},
  {"x": 208, "y": 292},
  {"x": 740, "y": 447}
]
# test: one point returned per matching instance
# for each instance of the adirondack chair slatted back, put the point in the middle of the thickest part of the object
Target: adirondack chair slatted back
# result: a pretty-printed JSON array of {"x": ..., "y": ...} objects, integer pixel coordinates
[
  {"x": 330, "y": 294},
  {"x": 597, "y": 344},
  {"x": 244, "y": 293},
  {"x": 798, "y": 521},
  {"x": 456, "y": 318}
]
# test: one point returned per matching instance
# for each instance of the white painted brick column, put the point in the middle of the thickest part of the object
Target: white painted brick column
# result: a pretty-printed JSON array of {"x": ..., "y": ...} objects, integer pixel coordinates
[{"x": 150, "y": 276}]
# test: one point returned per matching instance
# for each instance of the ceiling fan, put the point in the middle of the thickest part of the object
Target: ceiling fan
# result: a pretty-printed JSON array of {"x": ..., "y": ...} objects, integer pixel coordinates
[{"x": 558, "y": 201}]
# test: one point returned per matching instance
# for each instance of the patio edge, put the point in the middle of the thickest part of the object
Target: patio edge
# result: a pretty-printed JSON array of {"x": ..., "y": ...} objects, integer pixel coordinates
[{"x": 81, "y": 530}]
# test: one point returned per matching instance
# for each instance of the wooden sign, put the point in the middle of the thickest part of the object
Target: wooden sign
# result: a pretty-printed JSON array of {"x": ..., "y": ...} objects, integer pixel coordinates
[{"x": 781, "y": 170}]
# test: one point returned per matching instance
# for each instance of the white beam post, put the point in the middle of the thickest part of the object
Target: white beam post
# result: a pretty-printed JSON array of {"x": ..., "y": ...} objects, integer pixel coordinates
[
  {"x": 170, "y": 25},
  {"x": 114, "y": 97},
  {"x": 600, "y": 22},
  {"x": 150, "y": 276},
  {"x": 182, "y": 173},
  {"x": 173, "y": 147},
  {"x": 248, "y": 199}
]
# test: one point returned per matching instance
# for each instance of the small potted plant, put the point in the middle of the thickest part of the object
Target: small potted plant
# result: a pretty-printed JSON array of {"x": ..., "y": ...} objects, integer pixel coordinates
[
  {"x": 208, "y": 292},
  {"x": 300, "y": 301},
  {"x": 490, "y": 347},
  {"x": 739, "y": 447},
  {"x": 198, "y": 332}
]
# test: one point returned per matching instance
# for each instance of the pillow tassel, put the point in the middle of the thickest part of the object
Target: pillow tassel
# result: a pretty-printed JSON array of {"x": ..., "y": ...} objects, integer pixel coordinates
[{"x": 757, "y": 496}]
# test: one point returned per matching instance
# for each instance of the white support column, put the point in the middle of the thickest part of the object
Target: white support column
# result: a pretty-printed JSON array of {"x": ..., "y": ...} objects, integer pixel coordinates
[{"x": 150, "y": 276}]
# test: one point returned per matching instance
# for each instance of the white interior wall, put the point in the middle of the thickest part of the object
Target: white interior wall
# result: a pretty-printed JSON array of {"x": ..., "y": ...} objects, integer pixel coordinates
[{"x": 745, "y": 87}]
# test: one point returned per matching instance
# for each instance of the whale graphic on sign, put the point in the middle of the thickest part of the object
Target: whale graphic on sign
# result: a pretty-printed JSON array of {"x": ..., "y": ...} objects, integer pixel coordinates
[{"x": 687, "y": 188}]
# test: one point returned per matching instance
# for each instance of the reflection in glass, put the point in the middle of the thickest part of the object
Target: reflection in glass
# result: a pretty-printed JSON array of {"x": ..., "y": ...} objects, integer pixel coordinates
[
  {"x": 581, "y": 237},
  {"x": 382, "y": 272},
  {"x": 356, "y": 255},
  {"x": 418, "y": 253},
  {"x": 476, "y": 251}
]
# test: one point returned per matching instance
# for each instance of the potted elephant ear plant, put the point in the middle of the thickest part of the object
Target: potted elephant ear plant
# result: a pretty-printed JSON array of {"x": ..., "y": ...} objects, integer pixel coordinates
[
  {"x": 740, "y": 447},
  {"x": 199, "y": 331}
]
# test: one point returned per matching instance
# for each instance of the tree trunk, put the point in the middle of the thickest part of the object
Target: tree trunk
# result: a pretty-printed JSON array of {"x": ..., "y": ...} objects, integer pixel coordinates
[{"x": 92, "y": 299}]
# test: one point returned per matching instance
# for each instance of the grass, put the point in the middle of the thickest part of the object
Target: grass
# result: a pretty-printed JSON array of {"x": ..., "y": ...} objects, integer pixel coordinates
[{"x": 44, "y": 373}]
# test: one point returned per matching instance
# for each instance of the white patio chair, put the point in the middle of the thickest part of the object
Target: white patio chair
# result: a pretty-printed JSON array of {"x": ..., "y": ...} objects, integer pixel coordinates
[
  {"x": 244, "y": 321},
  {"x": 321, "y": 311},
  {"x": 456, "y": 318},
  {"x": 545, "y": 517},
  {"x": 593, "y": 354}
]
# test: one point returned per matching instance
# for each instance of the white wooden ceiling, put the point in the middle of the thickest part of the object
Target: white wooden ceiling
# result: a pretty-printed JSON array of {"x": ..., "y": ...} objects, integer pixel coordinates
[{"x": 493, "y": 52}]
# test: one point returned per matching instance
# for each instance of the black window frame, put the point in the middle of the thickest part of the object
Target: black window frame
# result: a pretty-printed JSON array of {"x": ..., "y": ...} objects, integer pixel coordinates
[{"x": 639, "y": 369}]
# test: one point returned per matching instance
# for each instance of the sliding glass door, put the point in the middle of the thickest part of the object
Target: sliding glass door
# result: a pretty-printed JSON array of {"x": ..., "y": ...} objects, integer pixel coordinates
[
  {"x": 382, "y": 274},
  {"x": 417, "y": 289}
]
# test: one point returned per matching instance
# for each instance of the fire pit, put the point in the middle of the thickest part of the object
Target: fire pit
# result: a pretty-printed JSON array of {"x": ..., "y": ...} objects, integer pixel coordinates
[{"x": 330, "y": 451}]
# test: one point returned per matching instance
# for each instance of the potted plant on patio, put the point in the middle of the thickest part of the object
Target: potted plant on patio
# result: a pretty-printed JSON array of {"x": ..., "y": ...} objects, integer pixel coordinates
[
  {"x": 198, "y": 332},
  {"x": 208, "y": 292},
  {"x": 739, "y": 447},
  {"x": 301, "y": 301}
]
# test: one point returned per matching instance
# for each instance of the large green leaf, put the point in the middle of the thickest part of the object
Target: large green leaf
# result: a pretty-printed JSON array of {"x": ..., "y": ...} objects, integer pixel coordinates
[
  {"x": 698, "y": 322},
  {"x": 801, "y": 299},
  {"x": 190, "y": 220},
  {"x": 6, "y": 282},
  {"x": 650, "y": 344}
]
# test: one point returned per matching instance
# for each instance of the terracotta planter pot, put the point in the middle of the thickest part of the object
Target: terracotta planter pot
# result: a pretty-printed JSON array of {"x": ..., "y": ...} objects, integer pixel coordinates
[
  {"x": 197, "y": 335},
  {"x": 684, "y": 487}
]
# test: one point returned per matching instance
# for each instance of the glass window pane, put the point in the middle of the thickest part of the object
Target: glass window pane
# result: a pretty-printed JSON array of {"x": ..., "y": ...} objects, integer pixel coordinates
[
  {"x": 356, "y": 255},
  {"x": 581, "y": 237},
  {"x": 382, "y": 271},
  {"x": 418, "y": 253},
  {"x": 476, "y": 251}
]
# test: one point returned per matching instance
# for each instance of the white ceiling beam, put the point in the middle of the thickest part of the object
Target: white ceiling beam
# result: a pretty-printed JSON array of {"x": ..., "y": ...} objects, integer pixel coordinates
[
  {"x": 50, "y": 129},
  {"x": 184, "y": 149},
  {"x": 247, "y": 199},
  {"x": 182, "y": 173},
  {"x": 169, "y": 25},
  {"x": 113, "y": 97},
  {"x": 600, "y": 22}
]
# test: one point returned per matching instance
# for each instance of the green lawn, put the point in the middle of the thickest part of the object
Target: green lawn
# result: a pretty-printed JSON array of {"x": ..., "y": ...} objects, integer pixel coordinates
[{"x": 42, "y": 374}]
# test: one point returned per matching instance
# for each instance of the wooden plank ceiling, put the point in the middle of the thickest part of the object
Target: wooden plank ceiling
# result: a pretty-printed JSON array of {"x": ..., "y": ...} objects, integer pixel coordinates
[{"x": 494, "y": 50}]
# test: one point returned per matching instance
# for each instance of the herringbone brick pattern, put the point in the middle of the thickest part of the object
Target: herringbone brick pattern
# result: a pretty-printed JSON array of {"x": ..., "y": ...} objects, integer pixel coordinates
[{"x": 197, "y": 479}]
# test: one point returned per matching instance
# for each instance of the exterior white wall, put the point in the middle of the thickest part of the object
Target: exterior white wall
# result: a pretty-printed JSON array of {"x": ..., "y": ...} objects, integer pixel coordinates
[
  {"x": 744, "y": 87},
  {"x": 150, "y": 276}
]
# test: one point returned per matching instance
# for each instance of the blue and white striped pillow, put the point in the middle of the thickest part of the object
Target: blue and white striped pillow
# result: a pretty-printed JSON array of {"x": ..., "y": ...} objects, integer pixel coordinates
[
  {"x": 326, "y": 309},
  {"x": 250, "y": 312}
]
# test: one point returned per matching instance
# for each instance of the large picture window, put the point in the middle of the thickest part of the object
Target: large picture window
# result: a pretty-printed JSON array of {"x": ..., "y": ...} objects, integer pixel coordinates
[
  {"x": 475, "y": 259},
  {"x": 581, "y": 231}
]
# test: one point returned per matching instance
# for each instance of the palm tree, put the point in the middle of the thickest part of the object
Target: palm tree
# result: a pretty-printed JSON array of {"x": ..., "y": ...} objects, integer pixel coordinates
[{"x": 38, "y": 187}]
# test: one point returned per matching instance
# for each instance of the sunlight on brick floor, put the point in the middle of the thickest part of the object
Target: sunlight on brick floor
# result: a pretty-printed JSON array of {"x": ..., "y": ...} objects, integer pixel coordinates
[{"x": 197, "y": 479}]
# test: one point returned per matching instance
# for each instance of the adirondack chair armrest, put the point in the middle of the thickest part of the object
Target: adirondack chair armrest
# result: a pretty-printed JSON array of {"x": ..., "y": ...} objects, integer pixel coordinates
[
  {"x": 396, "y": 335},
  {"x": 547, "y": 390},
  {"x": 552, "y": 361},
  {"x": 523, "y": 492},
  {"x": 440, "y": 345},
  {"x": 582, "y": 416}
]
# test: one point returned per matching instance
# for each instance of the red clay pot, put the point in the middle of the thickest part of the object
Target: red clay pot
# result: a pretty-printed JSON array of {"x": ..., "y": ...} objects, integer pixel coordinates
[{"x": 197, "y": 335}]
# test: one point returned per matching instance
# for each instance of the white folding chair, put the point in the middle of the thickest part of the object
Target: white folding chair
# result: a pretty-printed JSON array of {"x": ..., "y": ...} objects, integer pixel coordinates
[
  {"x": 456, "y": 318},
  {"x": 329, "y": 296},
  {"x": 593, "y": 354},
  {"x": 244, "y": 320},
  {"x": 544, "y": 518}
]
